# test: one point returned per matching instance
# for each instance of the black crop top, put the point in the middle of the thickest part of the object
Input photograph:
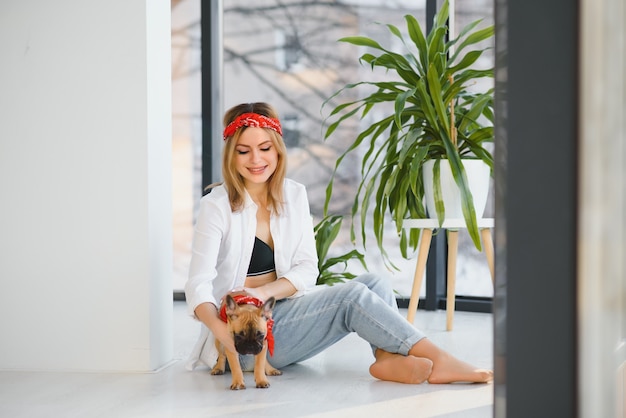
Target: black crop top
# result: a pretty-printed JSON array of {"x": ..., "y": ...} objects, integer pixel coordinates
[{"x": 262, "y": 260}]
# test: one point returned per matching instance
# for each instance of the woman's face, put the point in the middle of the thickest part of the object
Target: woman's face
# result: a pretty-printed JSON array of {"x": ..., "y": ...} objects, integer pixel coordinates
[{"x": 256, "y": 156}]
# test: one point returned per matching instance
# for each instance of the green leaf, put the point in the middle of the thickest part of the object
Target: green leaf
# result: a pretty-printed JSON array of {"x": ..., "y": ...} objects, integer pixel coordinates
[
  {"x": 362, "y": 41},
  {"x": 474, "y": 38},
  {"x": 437, "y": 52},
  {"x": 467, "y": 202},
  {"x": 400, "y": 105},
  {"x": 437, "y": 98},
  {"x": 437, "y": 193},
  {"x": 469, "y": 59},
  {"x": 441, "y": 18},
  {"x": 476, "y": 109},
  {"x": 417, "y": 36},
  {"x": 393, "y": 29}
]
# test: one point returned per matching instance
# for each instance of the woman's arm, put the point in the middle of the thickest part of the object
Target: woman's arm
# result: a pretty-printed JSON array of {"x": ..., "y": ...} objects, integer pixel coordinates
[
  {"x": 207, "y": 240},
  {"x": 280, "y": 288},
  {"x": 208, "y": 314}
]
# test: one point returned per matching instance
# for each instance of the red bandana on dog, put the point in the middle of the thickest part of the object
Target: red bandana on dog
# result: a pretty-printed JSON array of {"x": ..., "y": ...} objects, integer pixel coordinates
[
  {"x": 253, "y": 120},
  {"x": 250, "y": 300}
]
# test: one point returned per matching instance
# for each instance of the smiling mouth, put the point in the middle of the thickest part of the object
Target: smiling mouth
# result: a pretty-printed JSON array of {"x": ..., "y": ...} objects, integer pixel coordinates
[{"x": 258, "y": 170}]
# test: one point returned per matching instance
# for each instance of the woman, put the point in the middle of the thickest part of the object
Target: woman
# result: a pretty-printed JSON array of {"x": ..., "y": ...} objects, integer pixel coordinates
[{"x": 255, "y": 232}]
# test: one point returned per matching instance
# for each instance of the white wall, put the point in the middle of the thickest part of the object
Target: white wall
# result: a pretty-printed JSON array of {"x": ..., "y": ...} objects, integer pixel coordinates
[{"x": 85, "y": 181}]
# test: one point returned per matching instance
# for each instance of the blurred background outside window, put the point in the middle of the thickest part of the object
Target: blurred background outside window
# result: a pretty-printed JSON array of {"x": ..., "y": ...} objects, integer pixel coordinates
[{"x": 286, "y": 53}]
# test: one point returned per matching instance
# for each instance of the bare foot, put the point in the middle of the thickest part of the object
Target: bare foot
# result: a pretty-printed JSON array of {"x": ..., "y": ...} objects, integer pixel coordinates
[
  {"x": 447, "y": 368},
  {"x": 399, "y": 368}
]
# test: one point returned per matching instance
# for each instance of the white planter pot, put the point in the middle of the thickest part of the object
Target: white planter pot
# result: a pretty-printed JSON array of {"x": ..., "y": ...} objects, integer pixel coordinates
[{"x": 478, "y": 175}]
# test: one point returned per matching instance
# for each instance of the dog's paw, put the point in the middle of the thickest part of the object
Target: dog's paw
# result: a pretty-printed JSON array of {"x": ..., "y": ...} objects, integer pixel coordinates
[
  {"x": 273, "y": 372},
  {"x": 237, "y": 386},
  {"x": 263, "y": 384},
  {"x": 217, "y": 372}
]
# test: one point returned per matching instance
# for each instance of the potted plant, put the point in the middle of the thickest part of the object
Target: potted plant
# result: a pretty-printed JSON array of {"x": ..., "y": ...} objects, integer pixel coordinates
[{"x": 430, "y": 114}]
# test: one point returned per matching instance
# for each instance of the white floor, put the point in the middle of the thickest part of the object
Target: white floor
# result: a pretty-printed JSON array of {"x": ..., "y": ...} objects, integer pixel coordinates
[{"x": 335, "y": 383}]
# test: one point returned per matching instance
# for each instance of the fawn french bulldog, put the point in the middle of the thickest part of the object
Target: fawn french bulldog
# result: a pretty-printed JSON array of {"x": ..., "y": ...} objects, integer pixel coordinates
[{"x": 250, "y": 322}]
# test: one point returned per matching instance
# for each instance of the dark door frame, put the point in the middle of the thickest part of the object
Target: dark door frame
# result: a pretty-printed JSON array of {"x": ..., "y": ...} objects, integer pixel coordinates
[{"x": 536, "y": 176}]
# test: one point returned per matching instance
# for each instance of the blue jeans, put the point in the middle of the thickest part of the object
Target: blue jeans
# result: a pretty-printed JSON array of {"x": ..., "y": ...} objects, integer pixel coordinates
[{"x": 305, "y": 326}]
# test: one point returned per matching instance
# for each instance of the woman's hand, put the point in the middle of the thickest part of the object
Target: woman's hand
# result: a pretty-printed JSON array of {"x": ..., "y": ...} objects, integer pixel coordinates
[
  {"x": 280, "y": 289},
  {"x": 220, "y": 331},
  {"x": 255, "y": 292},
  {"x": 208, "y": 314}
]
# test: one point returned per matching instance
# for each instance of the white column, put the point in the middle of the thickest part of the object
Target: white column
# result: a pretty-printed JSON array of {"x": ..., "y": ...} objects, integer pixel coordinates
[{"x": 85, "y": 181}]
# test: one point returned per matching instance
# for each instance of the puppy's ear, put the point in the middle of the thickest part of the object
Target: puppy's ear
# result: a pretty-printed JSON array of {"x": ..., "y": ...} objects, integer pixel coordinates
[
  {"x": 268, "y": 306},
  {"x": 231, "y": 305}
]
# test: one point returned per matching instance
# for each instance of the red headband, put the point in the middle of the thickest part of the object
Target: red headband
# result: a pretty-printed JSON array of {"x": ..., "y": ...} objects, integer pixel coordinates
[{"x": 253, "y": 120}]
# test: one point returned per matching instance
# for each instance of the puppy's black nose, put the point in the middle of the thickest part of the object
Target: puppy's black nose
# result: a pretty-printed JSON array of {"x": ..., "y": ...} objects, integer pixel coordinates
[{"x": 248, "y": 347}]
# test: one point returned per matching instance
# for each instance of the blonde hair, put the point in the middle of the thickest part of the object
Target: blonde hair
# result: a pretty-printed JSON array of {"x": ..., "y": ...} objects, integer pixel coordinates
[{"x": 233, "y": 181}]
